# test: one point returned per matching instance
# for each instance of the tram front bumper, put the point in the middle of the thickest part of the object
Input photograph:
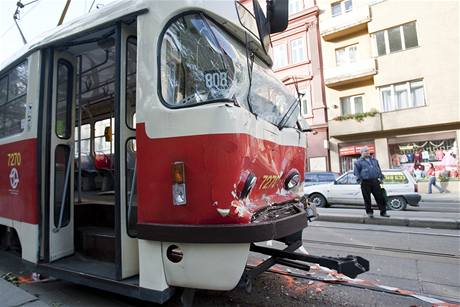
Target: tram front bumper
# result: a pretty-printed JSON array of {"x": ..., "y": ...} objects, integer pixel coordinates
[{"x": 271, "y": 223}]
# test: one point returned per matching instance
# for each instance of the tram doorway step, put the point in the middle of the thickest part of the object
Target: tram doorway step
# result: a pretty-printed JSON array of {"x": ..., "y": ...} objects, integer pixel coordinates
[
  {"x": 96, "y": 242},
  {"x": 350, "y": 266}
]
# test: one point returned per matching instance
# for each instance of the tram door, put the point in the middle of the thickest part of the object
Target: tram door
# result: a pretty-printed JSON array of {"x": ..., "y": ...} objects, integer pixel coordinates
[
  {"x": 61, "y": 175},
  {"x": 127, "y": 150}
]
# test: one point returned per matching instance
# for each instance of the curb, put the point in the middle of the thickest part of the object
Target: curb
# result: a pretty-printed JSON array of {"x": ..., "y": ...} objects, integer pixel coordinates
[{"x": 392, "y": 221}]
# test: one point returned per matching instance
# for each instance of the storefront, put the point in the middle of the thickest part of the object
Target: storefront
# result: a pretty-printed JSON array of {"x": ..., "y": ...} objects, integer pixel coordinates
[
  {"x": 348, "y": 154},
  {"x": 418, "y": 151}
]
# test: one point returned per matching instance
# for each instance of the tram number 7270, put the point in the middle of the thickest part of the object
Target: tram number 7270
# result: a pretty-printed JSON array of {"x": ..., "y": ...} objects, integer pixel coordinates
[{"x": 14, "y": 159}]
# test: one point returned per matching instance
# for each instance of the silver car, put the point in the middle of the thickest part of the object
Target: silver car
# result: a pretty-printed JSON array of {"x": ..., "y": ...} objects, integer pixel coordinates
[{"x": 399, "y": 186}]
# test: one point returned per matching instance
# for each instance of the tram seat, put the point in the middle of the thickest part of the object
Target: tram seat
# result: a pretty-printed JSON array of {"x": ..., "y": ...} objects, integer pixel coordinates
[
  {"x": 88, "y": 173},
  {"x": 103, "y": 163}
]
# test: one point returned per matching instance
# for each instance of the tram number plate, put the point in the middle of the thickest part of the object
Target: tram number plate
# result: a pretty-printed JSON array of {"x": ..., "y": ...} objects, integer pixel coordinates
[
  {"x": 269, "y": 181},
  {"x": 14, "y": 159},
  {"x": 216, "y": 79}
]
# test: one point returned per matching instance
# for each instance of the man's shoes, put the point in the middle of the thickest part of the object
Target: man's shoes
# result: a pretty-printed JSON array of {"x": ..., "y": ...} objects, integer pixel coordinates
[
  {"x": 384, "y": 215},
  {"x": 370, "y": 215}
]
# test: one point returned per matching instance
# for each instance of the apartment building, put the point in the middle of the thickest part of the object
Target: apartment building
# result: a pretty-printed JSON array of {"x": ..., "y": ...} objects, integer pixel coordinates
[
  {"x": 391, "y": 73},
  {"x": 297, "y": 62}
]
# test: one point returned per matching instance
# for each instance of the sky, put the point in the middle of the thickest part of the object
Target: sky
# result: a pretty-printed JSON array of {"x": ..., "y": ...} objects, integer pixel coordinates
[{"x": 36, "y": 18}]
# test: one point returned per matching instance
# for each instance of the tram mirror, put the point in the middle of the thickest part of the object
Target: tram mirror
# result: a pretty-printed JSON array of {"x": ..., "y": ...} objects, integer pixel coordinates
[
  {"x": 278, "y": 15},
  {"x": 108, "y": 134},
  {"x": 263, "y": 26}
]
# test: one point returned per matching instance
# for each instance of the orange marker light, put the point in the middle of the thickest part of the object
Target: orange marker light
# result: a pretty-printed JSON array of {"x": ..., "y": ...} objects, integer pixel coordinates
[{"x": 178, "y": 172}]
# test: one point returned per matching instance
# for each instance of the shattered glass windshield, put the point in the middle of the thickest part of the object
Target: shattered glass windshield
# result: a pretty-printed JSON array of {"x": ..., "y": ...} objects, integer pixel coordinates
[{"x": 201, "y": 63}]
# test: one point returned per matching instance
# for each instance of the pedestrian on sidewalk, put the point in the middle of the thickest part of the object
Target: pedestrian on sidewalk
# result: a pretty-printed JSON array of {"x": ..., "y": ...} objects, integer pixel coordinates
[
  {"x": 369, "y": 176},
  {"x": 432, "y": 179}
]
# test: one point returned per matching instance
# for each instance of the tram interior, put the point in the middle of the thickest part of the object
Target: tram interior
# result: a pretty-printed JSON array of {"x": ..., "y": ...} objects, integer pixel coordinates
[{"x": 94, "y": 155}]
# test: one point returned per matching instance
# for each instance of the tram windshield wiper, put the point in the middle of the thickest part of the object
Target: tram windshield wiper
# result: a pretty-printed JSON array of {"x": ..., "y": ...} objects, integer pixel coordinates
[{"x": 289, "y": 113}]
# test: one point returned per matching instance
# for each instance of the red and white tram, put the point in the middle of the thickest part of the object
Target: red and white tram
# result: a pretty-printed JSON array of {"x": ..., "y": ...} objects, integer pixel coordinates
[{"x": 147, "y": 145}]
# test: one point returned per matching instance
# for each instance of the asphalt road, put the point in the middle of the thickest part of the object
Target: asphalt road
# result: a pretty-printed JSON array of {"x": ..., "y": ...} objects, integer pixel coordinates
[{"x": 424, "y": 260}]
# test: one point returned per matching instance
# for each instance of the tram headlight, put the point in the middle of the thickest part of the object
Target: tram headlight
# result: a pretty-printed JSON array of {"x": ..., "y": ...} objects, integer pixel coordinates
[
  {"x": 292, "y": 180},
  {"x": 179, "y": 194}
]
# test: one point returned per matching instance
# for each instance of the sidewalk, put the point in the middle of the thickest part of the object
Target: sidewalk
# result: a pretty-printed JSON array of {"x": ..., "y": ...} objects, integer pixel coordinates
[
  {"x": 441, "y": 197},
  {"x": 11, "y": 295},
  {"x": 437, "y": 220}
]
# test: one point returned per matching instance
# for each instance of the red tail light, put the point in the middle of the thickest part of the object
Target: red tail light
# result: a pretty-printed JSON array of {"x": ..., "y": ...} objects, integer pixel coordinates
[{"x": 416, "y": 187}]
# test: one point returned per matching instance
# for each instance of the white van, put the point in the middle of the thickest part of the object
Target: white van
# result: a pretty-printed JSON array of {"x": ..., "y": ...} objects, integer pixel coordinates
[{"x": 400, "y": 188}]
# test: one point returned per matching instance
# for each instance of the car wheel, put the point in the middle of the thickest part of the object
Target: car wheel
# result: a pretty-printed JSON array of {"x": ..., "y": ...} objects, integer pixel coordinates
[
  {"x": 396, "y": 203},
  {"x": 318, "y": 200}
]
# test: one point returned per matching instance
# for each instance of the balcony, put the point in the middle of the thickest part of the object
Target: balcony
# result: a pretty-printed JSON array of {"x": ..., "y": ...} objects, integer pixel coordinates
[
  {"x": 345, "y": 24},
  {"x": 352, "y": 126},
  {"x": 350, "y": 73}
]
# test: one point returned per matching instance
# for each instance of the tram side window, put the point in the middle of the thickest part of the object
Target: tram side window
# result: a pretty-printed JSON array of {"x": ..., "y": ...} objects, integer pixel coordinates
[
  {"x": 100, "y": 143},
  {"x": 64, "y": 99},
  {"x": 85, "y": 140},
  {"x": 131, "y": 67},
  {"x": 13, "y": 90}
]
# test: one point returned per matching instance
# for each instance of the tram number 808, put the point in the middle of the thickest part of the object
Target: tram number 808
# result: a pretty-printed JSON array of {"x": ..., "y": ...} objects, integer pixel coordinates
[{"x": 216, "y": 80}]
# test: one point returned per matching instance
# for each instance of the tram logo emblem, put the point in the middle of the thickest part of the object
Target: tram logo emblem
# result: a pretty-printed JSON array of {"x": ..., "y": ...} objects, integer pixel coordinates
[{"x": 14, "y": 178}]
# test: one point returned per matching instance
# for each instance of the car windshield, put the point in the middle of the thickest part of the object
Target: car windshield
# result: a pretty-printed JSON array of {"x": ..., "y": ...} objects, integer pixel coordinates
[{"x": 201, "y": 63}]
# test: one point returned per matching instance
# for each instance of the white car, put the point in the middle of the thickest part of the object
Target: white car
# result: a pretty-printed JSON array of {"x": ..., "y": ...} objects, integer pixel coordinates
[{"x": 400, "y": 189}]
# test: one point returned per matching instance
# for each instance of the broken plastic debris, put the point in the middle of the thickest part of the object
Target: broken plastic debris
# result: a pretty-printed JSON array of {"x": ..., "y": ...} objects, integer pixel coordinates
[
  {"x": 223, "y": 212},
  {"x": 302, "y": 250}
]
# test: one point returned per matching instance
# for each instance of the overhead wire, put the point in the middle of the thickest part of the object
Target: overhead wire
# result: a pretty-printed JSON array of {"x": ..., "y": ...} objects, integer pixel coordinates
[{"x": 37, "y": 2}]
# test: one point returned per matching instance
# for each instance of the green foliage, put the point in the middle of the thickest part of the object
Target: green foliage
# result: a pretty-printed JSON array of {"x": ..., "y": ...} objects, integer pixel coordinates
[{"x": 359, "y": 117}]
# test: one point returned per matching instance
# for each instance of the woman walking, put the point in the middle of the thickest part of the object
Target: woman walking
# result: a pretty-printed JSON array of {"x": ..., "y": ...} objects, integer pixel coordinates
[{"x": 432, "y": 179}]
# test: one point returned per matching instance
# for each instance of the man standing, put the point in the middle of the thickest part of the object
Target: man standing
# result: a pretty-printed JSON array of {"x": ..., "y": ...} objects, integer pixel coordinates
[{"x": 368, "y": 174}]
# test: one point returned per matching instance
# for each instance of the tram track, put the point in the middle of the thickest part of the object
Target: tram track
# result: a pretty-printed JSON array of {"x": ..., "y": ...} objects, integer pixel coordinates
[
  {"x": 374, "y": 288},
  {"x": 379, "y": 248},
  {"x": 387, "y": 230}
]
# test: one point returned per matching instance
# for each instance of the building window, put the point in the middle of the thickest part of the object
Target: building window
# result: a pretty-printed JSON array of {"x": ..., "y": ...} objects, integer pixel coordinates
[
  {"x": 351, "y": 105},
  {"x": 279, "y": 56},
  {"x": 396, "y": 39},
  {"x": 402, "y": 95},
  {"x": 13, "y": 94},
  {"x": 346, "y": 55},
  {"x": 305, "y": 101},
  {"x": 298, "y": 53},
  {"x": 341, "y": 7},
  {"x": 295, "y": 6}
]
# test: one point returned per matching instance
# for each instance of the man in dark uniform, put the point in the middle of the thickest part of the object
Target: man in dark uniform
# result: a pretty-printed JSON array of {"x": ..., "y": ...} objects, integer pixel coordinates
[{"x": 368, "y": 174}]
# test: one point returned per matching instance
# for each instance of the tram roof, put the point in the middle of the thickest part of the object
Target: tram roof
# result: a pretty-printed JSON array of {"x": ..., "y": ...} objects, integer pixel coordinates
[{"x": 97, "y": 19}]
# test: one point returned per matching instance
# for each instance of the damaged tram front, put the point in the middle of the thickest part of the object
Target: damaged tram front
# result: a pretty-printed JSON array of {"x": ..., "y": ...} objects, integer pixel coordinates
[{"x": 161, "y": 149}]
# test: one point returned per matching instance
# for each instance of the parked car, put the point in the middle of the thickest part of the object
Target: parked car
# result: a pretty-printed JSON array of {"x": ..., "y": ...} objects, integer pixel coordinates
[
  {"x": 313, "y": 178},
  {"x": 400, "y": 188}
]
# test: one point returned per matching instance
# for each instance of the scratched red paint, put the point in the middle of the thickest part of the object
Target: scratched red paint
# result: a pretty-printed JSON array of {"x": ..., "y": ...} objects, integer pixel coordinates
[{"x": 214, "y": 164}]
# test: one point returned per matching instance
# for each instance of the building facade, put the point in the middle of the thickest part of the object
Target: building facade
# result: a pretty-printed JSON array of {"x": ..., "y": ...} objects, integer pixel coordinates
[
  {"x": 391, "y": 73},
  {"x": 296, "y": 54}
]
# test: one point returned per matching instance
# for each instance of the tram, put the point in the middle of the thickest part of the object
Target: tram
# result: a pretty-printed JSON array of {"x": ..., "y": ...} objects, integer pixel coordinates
[{"x": 147, "y": 146}]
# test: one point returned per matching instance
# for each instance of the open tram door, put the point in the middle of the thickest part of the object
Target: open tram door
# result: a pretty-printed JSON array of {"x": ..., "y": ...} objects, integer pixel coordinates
[
  {"x": 128, "y": 261},
  {"x": 61, "y": 168}
]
